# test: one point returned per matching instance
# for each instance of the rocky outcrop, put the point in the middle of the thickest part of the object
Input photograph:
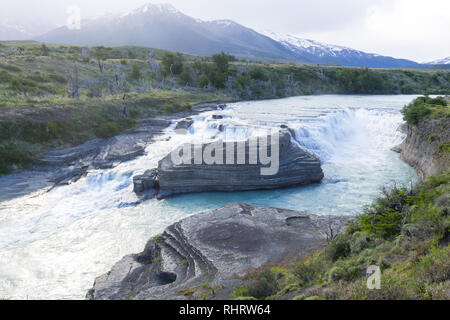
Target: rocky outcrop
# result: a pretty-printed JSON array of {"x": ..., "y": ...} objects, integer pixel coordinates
[
  {"x": 184, "y": 124},
  {"x": 213, "y": 249},
  {"x": 148, "y": 181},
  {"x": 423, "y": 146},
  {"x": 297, "y": 166}
]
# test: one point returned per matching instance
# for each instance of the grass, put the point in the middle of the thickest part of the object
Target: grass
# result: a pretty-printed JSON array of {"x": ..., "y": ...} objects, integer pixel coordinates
[{"x": 405, "y": 233}]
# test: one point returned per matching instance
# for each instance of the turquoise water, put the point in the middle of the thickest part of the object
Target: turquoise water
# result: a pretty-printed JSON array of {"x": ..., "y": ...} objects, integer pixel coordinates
[{"x": 53, "y": 245}]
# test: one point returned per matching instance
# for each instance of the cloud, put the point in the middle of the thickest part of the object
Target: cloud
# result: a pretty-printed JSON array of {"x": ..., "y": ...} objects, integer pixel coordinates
[{"x": 414, "y": 29}]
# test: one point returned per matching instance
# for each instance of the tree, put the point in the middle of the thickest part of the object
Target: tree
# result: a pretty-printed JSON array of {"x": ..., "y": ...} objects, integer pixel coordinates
[
  {"x": 73, "y": 86},
  {"x": 44, "y": 50},
  {"x": 172, "y": 63},
  {"x": 135, "y": 73},
  {"x": 222, "y": 62}
]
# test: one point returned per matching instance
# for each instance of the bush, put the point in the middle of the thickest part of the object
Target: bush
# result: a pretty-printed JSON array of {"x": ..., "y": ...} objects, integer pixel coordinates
[
  {"x": 439, "y": 101},
  {"x": 16, "y": 153},
  {"x": 265, "y": 285},
  {"x": 135, "y": 73},
  {"x": 339, "y": 247},
  {"x": 358, "y": 243},
  {"x": 107, "y": 130},
  {"x": 172, "y": 63},
  {"x": 435, "y": 266},
  {"x": 4, "y": 76},
  {"x": 415, "y": 112},
  {"x": 384, "y": 218},
  {"x": 240, "y": 291}
]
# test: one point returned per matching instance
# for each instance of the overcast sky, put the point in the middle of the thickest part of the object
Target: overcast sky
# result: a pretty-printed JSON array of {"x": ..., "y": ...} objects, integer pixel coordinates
[{"x": 412, "y": 29}]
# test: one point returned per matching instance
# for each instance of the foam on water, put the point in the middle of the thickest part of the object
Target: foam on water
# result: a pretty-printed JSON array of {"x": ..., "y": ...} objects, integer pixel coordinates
[{"x": 55, "y": 244}]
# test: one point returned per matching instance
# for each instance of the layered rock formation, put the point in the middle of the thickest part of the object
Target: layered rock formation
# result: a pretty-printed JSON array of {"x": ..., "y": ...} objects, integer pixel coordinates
[
  {"x": 213, "y": 249},
  {"x": 297, "y": 166},
  {"x": 423, "y": 146}
]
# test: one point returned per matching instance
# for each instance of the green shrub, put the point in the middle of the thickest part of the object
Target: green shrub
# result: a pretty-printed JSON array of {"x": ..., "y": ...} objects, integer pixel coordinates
[
  {"x": 308, "y": 272},
  {"x": 19, "y": 153},
  {"x": 135, "y": 73},
  {"x": 240, "y": 291},
  {"x": 439, "y": 101},
  {"x": 172, "y": 63},
  {"x": 265, "y": 285},
  {"x": 444, "y": 147},
  {"x": 415, "y": 112},
  {"x": 435, "y": 266},
  {"x": 107, "y": 130},
  {"x": 385, "y": 216},
  {"x": 358, "y": 243},
  {"x": 4, "y": 76},
  {"x": 339, "y": 247}
]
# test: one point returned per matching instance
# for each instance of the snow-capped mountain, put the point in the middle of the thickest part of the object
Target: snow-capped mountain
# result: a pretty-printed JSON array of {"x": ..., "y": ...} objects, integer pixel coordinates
[
  {"x": 13, "y": 32},
  {"x": 163, "y": 26},
  {"x": 318, "y": 52},
  {"x": 24, "y": 30},
  {"x": 440, "y": 61}
]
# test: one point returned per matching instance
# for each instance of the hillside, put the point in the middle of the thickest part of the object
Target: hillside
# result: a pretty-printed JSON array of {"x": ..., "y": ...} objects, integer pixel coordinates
[{"x": 54, "y": 95}]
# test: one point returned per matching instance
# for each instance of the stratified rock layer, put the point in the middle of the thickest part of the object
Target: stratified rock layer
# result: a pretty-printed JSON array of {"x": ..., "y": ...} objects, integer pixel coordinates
[
  {"x": 213, "y": 248},
  {"x": 422, "y": 146},
  {"x": 297, "y": 166}
]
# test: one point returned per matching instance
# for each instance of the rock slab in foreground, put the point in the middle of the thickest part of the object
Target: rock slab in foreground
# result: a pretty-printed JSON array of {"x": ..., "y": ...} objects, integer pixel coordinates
[
  {"x": 213, "y": 248},
  {"x": 297, "y": 166}
]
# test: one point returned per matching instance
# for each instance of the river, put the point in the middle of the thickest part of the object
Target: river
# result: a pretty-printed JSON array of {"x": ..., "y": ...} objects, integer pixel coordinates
[{"x": 54, "y": 244}]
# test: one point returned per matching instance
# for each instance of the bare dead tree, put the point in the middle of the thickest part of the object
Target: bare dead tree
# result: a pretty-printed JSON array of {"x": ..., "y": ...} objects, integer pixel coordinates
[
  {"x": 101, "y": 66},
  {"x": 331, "y": 233},
  {"x": 153, "y": 63},
  {"x": 84, "y": 53},
  {"x": 73, "y": 85}
]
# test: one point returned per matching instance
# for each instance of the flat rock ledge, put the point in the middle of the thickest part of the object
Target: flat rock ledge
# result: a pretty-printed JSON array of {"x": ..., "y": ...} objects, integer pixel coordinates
[
  {"x": 297, "y": 166},
  {"x": 212, "y": 250}
]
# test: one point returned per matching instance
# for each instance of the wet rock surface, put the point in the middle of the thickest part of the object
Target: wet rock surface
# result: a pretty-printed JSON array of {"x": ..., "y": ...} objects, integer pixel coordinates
[
  {"x": 214, "y": 249},
  {"x": 67, "y": 165}
]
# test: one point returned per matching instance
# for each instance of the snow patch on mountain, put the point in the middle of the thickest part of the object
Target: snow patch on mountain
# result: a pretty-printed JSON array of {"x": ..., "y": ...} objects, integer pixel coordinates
[
  {"x": 295, "y": 44},
  {"x": 440, "y": 61}
]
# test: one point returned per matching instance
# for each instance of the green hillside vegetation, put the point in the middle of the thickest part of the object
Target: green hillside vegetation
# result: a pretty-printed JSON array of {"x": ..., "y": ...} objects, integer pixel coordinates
[
  {"x": 426, "y": 108},
  {"x": 57, "y": 95},
  {"x": 405, "y": 232}
]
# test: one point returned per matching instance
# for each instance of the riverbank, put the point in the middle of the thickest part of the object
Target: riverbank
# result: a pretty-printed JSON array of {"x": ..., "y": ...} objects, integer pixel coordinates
[
  {"x": 65, "y": 166},
  {"x": 405, "y": 233}
]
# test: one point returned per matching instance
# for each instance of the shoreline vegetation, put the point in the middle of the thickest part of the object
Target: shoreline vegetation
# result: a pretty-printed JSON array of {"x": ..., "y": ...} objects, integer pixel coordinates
[{"x": 54, "y": 96}]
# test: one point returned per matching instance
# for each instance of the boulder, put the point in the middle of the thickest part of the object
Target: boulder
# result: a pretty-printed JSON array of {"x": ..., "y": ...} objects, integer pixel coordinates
[
  {"x": 149, "y": 180},
  {"x": 184, "y": 124},
  {"x": 122, "y": 148},
  {"x": 214, "y": 249},
  {"x": 297, "y": 166}
]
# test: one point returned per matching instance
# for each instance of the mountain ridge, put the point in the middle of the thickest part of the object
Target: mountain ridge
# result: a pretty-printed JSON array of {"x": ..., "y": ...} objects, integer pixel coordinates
[{"x": 165, "y": 27}]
